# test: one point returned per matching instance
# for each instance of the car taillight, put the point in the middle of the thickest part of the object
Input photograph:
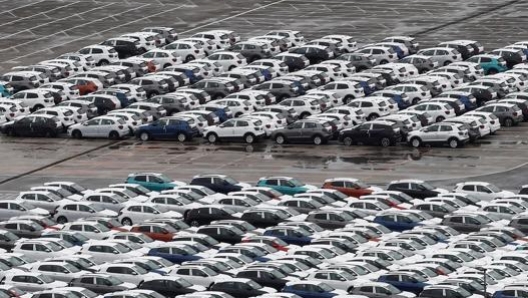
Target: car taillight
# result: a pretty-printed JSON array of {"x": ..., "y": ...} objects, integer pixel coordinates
[
  {"x": 67, "y": 73},
  {"x": 174, "y": 59},
  {"x": 431, "y": 65},
  {"x": 239, "y": 62},
  {"x": 120, "y": 126},
  {"x": 345, "y": 123},
  {"x": 461, "y": 133},
  {"x": 196, "y": 51},
  {"x": 12, "y": 114},
  {"x": 268, "y": 126},
  {"x": 424, "y": 94},
  {"x": 312, "y": 107},
  {"x": 411, "y": 72},
  {"x": 492, "y": 122},
  {"x": 447, "y": 112},
  {"x": 279, "y": 121},
  {"x": 391, "y": 106},
  {"x": 514, "y": 114},
  {"x": 144, "y": 120},
  {"x": 391, "y": 56},
  {"x": 134, "y": 123},
  {"x": 158, "y": 41},
  {"x": 454, "y": 57}
]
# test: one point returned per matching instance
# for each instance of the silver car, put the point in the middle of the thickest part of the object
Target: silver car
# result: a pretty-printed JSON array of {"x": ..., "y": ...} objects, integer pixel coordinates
[
  {"x": 13, "y": 208},
  {"x": 105, "y": 200},
  {"x": 73, "y": 211},
  {"x": 42, "y": 199}
]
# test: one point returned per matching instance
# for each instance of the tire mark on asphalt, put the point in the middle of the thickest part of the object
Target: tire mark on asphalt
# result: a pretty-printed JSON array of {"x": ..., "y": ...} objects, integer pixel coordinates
[
  {"x": 60, "y": 161},
  {"x": 467, "y": 18}
]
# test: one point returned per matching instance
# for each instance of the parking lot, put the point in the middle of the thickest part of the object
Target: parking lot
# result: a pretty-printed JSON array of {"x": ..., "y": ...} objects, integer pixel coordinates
[{"x": 36, "y": 30}]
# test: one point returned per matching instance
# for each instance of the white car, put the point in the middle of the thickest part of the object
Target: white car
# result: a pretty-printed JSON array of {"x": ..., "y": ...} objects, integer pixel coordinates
[
  {"x": 147, "y": 40},
  {"x": 444, "y": 56},
  {"x": 304, "y": 107},
  {"x": 236, "y": 129},
  {"x": 65, "y": 115},
  {"x": 490, "y": 118},
  {"x": 73, "y": 211},
  {"x": 137, "y": 93},
  {"x": 198, "y": 275},
  {"x": 100, "y": 127},
  {"x": 208, "y": 45},
  {"x": 31, "y": 281},
  {"x": 228, "y": 60},
  {"x": 452, "y": 134},
  {"x": 216, "y": 67},
  {"x": 40, "y": 249},
  {"x": 349, "y": 44},
  {"x": 13, "y": 108},
  {"x": 102, "y": 55},
  {"x": 106, "y": 251},
  {"x": 42, "y": 199},
  {"x": 382, "y": 54},
  {"x": 173, "y": 202},
  {"x": 482, "y": 190},
  {"x": 165, "y": 58},
  {"x": 332, "y": 71},
  {"x": 483, "y": 127},
  {"x": 35, "y": 99},
  {"x": 221, "y": 39},
  {"x": 438, "y": 110},
  {"x": 277, "y": 65},
  {"x": 126, "y": 272},
  {"x": 57, "y": 270},
  {"x": 187, "y": 50},
  {"x": 132, "y": 121},
  {"x": 296, "y": 38},
  {"x": 139, "y": 212},
  {"x": 410, "y": 121},
  {"x": 373, "y": 107},
  {"x": 238, "y": 107},
  {"x": 348, "y": 90},
  {"x": 90, "y": 229}
]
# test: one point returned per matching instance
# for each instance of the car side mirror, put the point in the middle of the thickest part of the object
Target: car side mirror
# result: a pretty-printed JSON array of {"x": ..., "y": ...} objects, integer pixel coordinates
[
  {"x": 31, "y": 229},
  {"x": 40, "y": 282},
  {"x": 92, "y": 211},
  {"x": 85, "y": 124},
  {"x": 134, "y": 273},
  {"x": 97, "y": 231},
  {"x": 156, "y": 212},
  {"x": 47, "y": 250},
  {"x": 165, "y": 232},
  {"x": 115, "y": 252}
]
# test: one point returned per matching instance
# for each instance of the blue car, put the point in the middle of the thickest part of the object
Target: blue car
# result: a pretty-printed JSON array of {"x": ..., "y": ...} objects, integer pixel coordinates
[
  {"x": 167, "y": 128},
  {"x": 398, "y": 222},
  {"x": 290, "y": 235},
  {"x": 5, "y": 90},
  {"x": 468, "y": 99},
  {"x": 175, "y": 253},
  {"x": 513, "y": 292},
  {"x": 310, "y": 289},
  {"x": 405, "y": 281},
  {"x": 285, "y": 185}
]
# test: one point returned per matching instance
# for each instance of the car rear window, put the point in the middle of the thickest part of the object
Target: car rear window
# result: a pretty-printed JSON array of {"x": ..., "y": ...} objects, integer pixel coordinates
[
  {"x": 382, "y": 104},
  {"x": 149, "y": 38}
]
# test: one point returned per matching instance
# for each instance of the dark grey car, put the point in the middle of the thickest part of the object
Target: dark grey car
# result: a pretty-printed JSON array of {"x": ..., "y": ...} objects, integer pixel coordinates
[
  {"x": 281, "y": 89},
  {"x": 152, "y": 85},
  {"x": 156, "y": 110},
  {"x": 23, "y": 228},
  {"x": 436, "y": 209},
  {"x": 304, "y": 131},
  {"x": 520, "y": 222},
  {"x": 100, "y": 283},
  {"x": 252, "y": 50},
  {"x": 172, "y": 103},
  {"x": 508, "y": 114},
  {"x": 423, "y": 63},
  {"x": 359, "y": 60},
  {"x": 464, "y": 223},
  {"x": 216, "y": 88}
]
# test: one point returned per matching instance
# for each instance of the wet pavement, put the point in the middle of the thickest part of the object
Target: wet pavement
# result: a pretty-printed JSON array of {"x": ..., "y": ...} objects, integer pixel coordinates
[{"x": 33, "y": 30}]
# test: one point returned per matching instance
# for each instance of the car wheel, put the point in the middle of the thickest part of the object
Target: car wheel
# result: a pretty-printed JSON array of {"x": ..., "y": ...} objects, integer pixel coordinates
[
  {"x": 384, "y": 62},
  {"x": 317, "y": 140},
  {"x": 212, "y": 138},
  {"x": 181, "y": 137},
  {"x": 231, "y": 67},
  {"x": 189, "y": 58},
  {"x": 372, "y": 117},
  {"x": 348, "y": 141},
  {"x": 62, "y": 220},
  {"x": 167, "y": 65},
  {"x": 304, "y": 115},
  {"x": 447, "y": 63},
  {"x": 195, "y": 223},
  {"x": 76, "y": 134},
  {"x": 416, "y": 142},
  {"x": 103, "y": 62},
  {"x": 126, "y": 221},
  {"x": 37, "y": 107},
  {"x": 492, "y": 71},
  {"x": 144, "y": 136},
  {"x": 440, "y": 119},
  {"x": 453, "y": 143},
  {"x": 279, "y": 139},
  {"x": 113, "y": 135},
  {"x": 508, "y": 122},
  {"x": 385, "y": 142},
  {"x": 415, "y": 100},
  {"x": 348, "y": 99},
  {"x": 249, "y": 138}
]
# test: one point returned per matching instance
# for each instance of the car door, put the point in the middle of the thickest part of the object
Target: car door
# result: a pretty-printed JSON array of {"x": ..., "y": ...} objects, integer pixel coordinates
[
  {"x": 430, "y": 133},
  {"x": 227, "y": 129},
  {"x": 484, "y": 192},
  {"x": 292, "y": 131},
  {"x": 443, "y": 134},
  {"x": 240, "y": 128},
  {"x": 90, "y": 128}
]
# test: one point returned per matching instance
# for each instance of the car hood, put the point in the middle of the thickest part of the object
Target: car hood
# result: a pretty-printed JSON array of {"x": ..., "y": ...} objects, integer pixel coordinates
[
  {"x": 300, "y": 217},
  {"x": 268, "y": 290},
  {"x": 244, "y": 184},
  {"x": 128, "y": 285},
  {"x": 171, "y": 214},
  {"x": 39, "y": 211},
  {"x": 407, "y": 294},
  {"x": 57, "y": 284},
  {"x": 198, "y": 288},
  {"x": 310, "y": 187},
  {"x": 375, "y": 189},
  {"x": 178, "y": 183},
  {"x": 75, "y": 197},
  {"x": 107, "y": 212},
  {"x": 441, "y": 190}
]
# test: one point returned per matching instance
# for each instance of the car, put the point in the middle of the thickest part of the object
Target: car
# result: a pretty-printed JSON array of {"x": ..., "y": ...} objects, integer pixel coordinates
[
  {"x": 312, "y": 289},
  {"x": 374, "y": 107},
  {"x": 130, "y": 273},
  {"x": 101, "y": 283},
  {"x": 452, "y": 134},
  {"x": 167, "y": 128},
  {"x": 371, "y": 133},
  {"x": 285, "y": 185},
  {"x": 198, "y": 275},
  {"x": 412, "y": 283},
  {"x": 382, "y": 54},
  {"x": 378, "y": 290},
  {"x": 57, "y": 270},
  {"x": 303, "y": 131},
  {"x": 444, "y": 56},
  {"x": 248, "y": 130},
  {"x": 33, "y": 126},
  {"x": 508, "y": 114},
  {"x": 170, "y": 286},
  {"x": 482, "y": 190},
  {"x": 31, "y": 281},
  {"x": 415, "y": 188}
]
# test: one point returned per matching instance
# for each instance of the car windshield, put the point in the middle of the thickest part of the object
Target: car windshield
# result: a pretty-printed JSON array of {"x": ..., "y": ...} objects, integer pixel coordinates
[
  {"x": 164, "y": 178},
  {"x": 45, "y": 279},
  {"x": 122, "y": 248},
  {"x": 114, "y": 281},
  {"x": 254, "y": 285},
  {"x": 162, "y": 262},
  {"x": 230, "y": 180},
  {"x": 71, "y": 268},
  {"x": 392, "y": 289},
  {"x": 101, "y": 227},
  {"x": 326, "y": 287}
]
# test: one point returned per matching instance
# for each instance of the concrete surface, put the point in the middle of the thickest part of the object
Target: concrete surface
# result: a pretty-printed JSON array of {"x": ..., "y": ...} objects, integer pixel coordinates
[{"x": 34, "y": 30}]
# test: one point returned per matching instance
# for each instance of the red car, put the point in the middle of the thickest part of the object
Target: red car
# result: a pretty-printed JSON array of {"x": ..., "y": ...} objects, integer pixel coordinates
[
  {"x": 349, "y": 186},
  {"x": 156, "y": 231}
]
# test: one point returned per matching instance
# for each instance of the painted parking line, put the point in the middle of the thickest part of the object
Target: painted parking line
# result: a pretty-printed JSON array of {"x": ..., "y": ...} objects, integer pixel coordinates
[
  {"x": 95, "y": 34},
  {"x": 40, "y": 13},
  {"x": 234, "y": 16},
  {"x": 10, "y": 11},
  {"x": 49, "y": 23},
  {"x": 74, "y": 27}
]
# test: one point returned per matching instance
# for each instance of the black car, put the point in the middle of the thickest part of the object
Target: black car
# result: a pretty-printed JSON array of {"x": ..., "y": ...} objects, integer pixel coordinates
[
  {"x": 217, "y": 183},
  {"x": 266, "y": 277},
  {"x": 7, "y": 240},
  {"x": 483, "y": 94},
  {"x": 125, "y": 47},
  {"x": 294, "y": 61},
  {"x": 414, "y": 188},
  {"x": 33, "y": 126},
  {"x": 263, "y": 218},
  {"x": 169, "y": 286},
  {"x": 99, "y": 283},
  {"x": 238, "y": 287},
  {"x": 511, "y": 56},
  {"x": 222, "y": 233},
  {"x": 316, "y": 54},
  {"x": 371, "y": 133},
  {"x": 139, "y": 67},
  {"x": 207, "y": 214}
]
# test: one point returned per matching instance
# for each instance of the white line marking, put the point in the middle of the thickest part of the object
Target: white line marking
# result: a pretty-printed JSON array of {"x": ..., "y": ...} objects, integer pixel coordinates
[
  {"x": 43, "y": 13},
  {"x": 21, "y": 7},
  {"x": 96, "y": 33},
  {"x": 54, "y": 21},
  {"x": 233, "y": 16}
]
